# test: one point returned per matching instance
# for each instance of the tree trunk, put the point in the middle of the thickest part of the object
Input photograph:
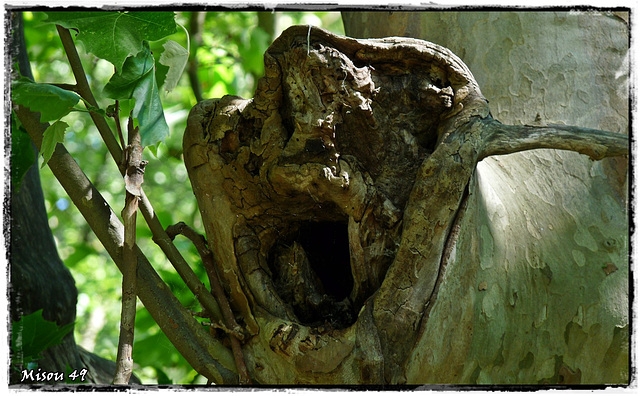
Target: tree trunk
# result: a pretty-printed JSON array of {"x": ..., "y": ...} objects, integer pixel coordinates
[
  {"x": 359, "y": 244},
  {"x": 542, "y": 259}
]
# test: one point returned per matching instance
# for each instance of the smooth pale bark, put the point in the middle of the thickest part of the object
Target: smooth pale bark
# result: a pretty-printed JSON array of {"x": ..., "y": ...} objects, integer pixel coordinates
[
  {"x": 536, "y": 288},
  {"x": 381, "y": 138}
]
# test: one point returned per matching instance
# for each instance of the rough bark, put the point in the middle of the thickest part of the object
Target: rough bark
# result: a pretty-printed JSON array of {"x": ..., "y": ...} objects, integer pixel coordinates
[{"x": 331, "y": 202}]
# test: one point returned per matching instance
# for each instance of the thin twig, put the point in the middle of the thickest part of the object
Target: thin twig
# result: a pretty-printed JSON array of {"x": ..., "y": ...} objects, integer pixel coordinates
[
  {"x": 133, "y": 179},
  {"x": 216, "y": 288},
  {"x": 214, "y": 280}
]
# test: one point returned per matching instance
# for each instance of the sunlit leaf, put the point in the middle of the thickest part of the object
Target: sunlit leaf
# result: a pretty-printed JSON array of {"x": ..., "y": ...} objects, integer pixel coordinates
[
  {"x": 50, "y": 101},
  {"x": 115, "y": 36},
  {"x": 138, "y": 81},
  {"x": 175, "y": 56},
  {"x": 53, "y": 135}
]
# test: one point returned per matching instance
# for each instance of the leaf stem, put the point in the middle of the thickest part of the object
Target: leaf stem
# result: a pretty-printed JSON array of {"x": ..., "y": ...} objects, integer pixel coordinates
[
  {"x": 116, "y": 118},
  {"x": 68, "y": 87}
]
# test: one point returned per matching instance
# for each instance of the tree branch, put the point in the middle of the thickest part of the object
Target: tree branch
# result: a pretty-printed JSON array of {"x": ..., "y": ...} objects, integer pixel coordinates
[
  {"x": 267, "y": 22},
  {"x": 205, "y": 354},
  {"x": 498, "y": 139},
  {"x": 84, "y": 90},
  {"x": 124, "y": 359}
]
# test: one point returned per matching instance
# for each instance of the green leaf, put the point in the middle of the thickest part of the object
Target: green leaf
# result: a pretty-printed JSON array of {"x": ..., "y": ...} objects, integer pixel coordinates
[
  {"x": 50, "y": 101},
  {"x": 161, "y": 73},
  {"x": 32, "y": 334},
  {"x": 122, "y": 85},
  {"x": 115, "y": 36},
  {"x": 138, "y": 81},
  {"x": 154, "y": 149},
  {"x": 23, "y": 155},
  {"x": 175, "y": 56},
  {"x": 53, "y": 135}
]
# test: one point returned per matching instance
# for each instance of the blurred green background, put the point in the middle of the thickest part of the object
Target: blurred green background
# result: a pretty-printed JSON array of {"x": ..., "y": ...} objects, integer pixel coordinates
[{"x": 228, "y": 48}]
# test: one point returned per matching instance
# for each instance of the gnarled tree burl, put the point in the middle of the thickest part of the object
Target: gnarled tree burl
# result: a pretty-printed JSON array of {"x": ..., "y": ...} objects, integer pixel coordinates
[{"x": 332, "y": 200}]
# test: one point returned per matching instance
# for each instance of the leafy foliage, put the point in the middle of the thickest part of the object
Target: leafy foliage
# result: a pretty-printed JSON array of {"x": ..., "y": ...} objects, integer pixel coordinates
[
  {"x": 53, "y": 135},
  {"x": 138, "y": 81},
  {"x": 115, "y": 36},
  {"x": 175, "y": 57},
  {"x": 50, "y": 101}
]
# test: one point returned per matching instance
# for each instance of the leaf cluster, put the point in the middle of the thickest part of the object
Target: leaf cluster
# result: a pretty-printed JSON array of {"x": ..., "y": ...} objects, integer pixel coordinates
[{"x": 121, "y": 38}]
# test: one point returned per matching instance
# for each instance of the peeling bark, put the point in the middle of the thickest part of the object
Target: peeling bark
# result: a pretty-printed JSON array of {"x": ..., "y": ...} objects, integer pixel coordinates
[{"x": 361, "y": 146}]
